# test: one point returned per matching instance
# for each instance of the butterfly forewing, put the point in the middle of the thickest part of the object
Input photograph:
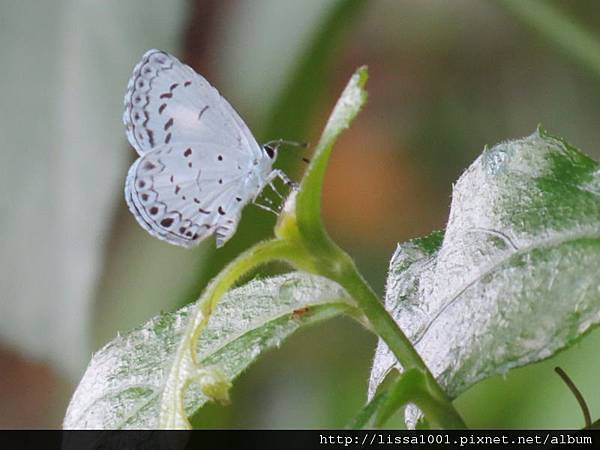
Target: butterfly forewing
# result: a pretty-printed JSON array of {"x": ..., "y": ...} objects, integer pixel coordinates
[{"x": 167, "y": 102}]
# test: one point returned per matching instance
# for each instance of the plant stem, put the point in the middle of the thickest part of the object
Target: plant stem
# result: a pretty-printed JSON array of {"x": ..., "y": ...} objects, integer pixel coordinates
[
  {"x": 547, "y": 20},
  {"x": 271, "y": 250},
  {"x": 577, "y": 394},
  {"x": 439, "y": 407},
  {"x": 185, "y": 364},
  {"x": 303, "y": 224},
  {"x": 412, "y": 387},
  {"x": 304, "y": 243}
]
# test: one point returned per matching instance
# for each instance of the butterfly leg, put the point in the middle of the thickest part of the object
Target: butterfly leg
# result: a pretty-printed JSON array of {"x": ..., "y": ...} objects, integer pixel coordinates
[
  {"x": 283, "y": 177},
  {"x": 266, "y": 208},
  {"x": 270, "y": 182},
  {"x": 272, "y": 185}
]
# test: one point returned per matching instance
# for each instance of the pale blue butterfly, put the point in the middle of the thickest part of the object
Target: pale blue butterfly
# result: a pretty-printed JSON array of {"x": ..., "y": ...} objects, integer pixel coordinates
[{"x": 199, "y": 163}]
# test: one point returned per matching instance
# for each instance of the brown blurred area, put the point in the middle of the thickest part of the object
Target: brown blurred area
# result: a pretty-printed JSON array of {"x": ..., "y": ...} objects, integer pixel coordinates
[
  {"x": 32, "y": 394},
  {"x": 445, "y": 80}
]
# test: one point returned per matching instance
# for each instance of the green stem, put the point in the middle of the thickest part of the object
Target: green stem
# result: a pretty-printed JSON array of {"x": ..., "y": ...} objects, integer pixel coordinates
[
  {"x": 263, "y": 252},
  {"x": 413, "y": 387},
  {"x": 565, "y": 33},
  {"x": 304, "y": 226},
  {"x": 185, "y": 364},
  {"x": 437, "y": 405},
  {"x": 304, "y": 243},
  {"x": 578, "y": 396}
]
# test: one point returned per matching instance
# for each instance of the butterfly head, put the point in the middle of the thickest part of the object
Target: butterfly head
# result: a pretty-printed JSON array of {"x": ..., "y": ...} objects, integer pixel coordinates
[
  {"x": 271, "y": 147},
  {"x": 270, "y": 150}
]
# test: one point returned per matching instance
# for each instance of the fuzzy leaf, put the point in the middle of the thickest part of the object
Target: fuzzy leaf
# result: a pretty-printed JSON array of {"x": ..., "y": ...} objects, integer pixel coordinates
[
  {"x": 515, "y": 276},
  {"x": 124, "y": 381}
]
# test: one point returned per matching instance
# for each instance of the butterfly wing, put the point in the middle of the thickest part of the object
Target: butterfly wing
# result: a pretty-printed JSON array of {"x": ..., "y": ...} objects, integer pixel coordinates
[
  {"x": 167, "y": 102},
  {"x": 199, "y": 163},
  {"x": 185, "y": 193}
]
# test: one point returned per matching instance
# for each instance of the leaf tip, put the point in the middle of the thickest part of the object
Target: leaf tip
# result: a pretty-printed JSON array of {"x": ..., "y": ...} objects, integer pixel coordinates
[
  {"x": 362, "y": 75},
  {"x": 541, "y": 131}
]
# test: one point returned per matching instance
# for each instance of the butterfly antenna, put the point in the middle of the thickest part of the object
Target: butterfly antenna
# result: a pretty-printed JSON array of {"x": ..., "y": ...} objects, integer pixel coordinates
[{"x": 278, "y": 142}]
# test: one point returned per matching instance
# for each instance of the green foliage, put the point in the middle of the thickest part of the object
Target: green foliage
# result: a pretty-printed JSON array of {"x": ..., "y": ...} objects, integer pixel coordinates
[
  {"x": 125, "y": 381},
  {"x": 514, "y": 277},
  {"x": 512, "y": 280},
  {"x": 303, "y": 243},
  {"x": 183, "y": 365}
]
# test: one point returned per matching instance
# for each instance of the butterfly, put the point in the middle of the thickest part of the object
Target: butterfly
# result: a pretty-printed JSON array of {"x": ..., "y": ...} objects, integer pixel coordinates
[{"x": 198, "y": 164}]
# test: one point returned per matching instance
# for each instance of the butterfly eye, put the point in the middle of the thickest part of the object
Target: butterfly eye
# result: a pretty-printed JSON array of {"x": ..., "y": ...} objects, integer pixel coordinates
[{"x": 270, "y": 151}]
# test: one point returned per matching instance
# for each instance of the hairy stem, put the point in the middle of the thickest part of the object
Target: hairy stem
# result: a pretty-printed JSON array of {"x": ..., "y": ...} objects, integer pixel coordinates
[
  {"x": 185, "y": 364},
  {"x": 437, "y": 405},
  {"x": 577, "y": 394},
  {"x": 307, "y": 229}
]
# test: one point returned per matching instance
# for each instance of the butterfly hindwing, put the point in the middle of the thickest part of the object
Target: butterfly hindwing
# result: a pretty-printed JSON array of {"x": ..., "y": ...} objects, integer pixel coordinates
[{"x": 182, "y": 194}]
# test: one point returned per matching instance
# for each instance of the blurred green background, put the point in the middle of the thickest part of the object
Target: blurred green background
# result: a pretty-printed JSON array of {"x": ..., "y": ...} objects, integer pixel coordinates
[{"x": 446, "y": 78}]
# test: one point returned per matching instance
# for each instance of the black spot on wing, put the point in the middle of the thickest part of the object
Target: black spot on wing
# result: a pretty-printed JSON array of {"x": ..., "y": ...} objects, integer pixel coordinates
[
  {"x": 202, "y": 111},
  {"x": 166, "y": 222},
  {"x": 148, "y": 166},
  {"x": 151, "y": 137}
]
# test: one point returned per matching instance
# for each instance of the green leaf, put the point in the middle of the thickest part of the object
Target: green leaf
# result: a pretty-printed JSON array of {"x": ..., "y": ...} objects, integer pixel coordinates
[
  {"x": 308, "y": 203},
  {"x": 125, "y": 380},
  {"x": 514, "y": 278},
  {"x": 301, "y": 226}
]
